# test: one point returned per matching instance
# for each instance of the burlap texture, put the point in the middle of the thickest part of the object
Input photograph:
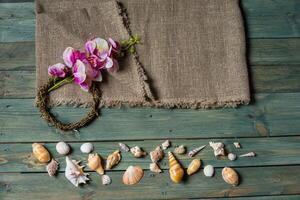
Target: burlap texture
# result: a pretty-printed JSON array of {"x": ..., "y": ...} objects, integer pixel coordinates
[{"x": 192, "y": 51}]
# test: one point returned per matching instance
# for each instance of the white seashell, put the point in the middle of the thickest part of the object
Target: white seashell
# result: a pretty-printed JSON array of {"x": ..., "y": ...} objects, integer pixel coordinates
[
  {"x": 209, "y": 170},
  {"x": 106, "y": 180},
  {"x": 180, "y": 150},
  {"x": 218, "y": 148},
  {"x": 237, "y": 145},
  {"x": 52, "y": 167},
  {"x": 86, "y": 147},
  {"x": 62, "y": 148},
  {"x": 250, "y": 154},
  {"x": 166, "y": 144},
  {"x": 154, "y": 168},
  {"x": 124, "y": 147},
  {"x": 74, "y": 172},
  {"x": 137, "y": 152},
  {"x": 231, "y": 156},
  {"x": 193, "y": 152},
  {"x": 157, "y": 154}
]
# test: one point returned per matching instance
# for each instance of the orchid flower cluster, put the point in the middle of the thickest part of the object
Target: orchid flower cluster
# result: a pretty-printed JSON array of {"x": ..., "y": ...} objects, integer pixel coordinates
[{"x": 83, "y": 67}]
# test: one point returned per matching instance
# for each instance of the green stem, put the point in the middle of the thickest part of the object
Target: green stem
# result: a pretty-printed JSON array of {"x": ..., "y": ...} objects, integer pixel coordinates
[{"x": 61, "y": 83}]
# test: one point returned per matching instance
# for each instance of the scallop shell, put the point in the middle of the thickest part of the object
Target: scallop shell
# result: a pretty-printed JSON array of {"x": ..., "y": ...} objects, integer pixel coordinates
[
  {"x": 154, "y": 168},
  {"x": 41, "y": 153},
  {"x": 175, "y": 169},
  {"x": 95, "y": 163},
  {"x": 124, "y": 147},
  {"x": 106, "y": 180},
  {"x": 194, "y": 166},
  {"x": 166, "y": 144},
  {"x": 133, "y": 175},
  {"x": 74, "y": 172},
  {"x": 218, "y": 148},
  {"x": 52, "y": 167},
  {"x": 250, "y": 154},
  {"x": 113, "y": 159},
  {"x": 237, "y": 145},
  {"x": 230, "y": 176},
  {"x": 62, "y": 148},
  {"x": 209, "y": 170},
  {"x": 193, "y": 152},
  {"x": 86, "y": 147},
  {"x": 180, "y": 150},
  {"x": 157, "y": 154},
  {"x": 231, "y": 156},
  {"x": 137, "y": 152}
]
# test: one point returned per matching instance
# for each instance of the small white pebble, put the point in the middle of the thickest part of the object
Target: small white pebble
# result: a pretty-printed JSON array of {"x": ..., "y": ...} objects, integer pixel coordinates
[{"x": 231, "y": 156}]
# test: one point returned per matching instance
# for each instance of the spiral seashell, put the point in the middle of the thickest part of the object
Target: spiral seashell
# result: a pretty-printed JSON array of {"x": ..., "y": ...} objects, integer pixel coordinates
[
  {"x": 175, "y": 169},
  {"x": 137, "y": 152},
  {"x": 74, "y": 172},
  {"x": 124, "y": 147},
  {"x": 218, "y": 148},
  {"x": 231, "y": 156},
  {"x": 180, "y": 150},
  {"x": 193, "y": 152},
  {"x": 230, "y": 176},
  {"x": 86, "y": 147},
  {"x": 156, "y": 155},
  {"x": 52, "y": 167},
  {"x": 113, "y": 159},
  {"x": 166, "y": 144},
  {"x": 209, "y": 170},
  {"x": 250, "y": 154},
  {"x": 95, "y": 163},
  {"x": 41, "y": 153},
  {"x": 106, "y": 180},
  {"x": 133, "y": 175},
  {"x": 154, "y": 168},
  {"x": 62, "y": 148},
  {"x": 194, "y": 166}
]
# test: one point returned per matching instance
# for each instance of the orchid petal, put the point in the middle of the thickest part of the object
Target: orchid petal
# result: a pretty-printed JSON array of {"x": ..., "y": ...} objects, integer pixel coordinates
[
  {"x": 101, "y": 45},
  {"x": 68, "y": 56},
  {"x": 90, "y": 46},
  {"x": 115, "y": 67},
  {"x": 84, "y": 86},
  {"x": 109, "y": 63},
  {"x": 58, "y": 70},
  {"x": 79, "y": 72}
]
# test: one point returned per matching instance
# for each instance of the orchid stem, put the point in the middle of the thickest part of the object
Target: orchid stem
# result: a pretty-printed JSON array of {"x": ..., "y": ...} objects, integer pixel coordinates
[{"x": 61, "y": 83}]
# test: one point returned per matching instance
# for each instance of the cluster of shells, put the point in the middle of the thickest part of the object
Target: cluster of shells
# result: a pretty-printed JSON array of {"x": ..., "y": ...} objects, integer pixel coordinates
[{"x": 133, "y": 174}]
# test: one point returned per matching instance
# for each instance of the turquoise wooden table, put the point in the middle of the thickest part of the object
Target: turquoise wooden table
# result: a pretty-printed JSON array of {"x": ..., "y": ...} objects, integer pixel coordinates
[{"x": 270, "y": 126}]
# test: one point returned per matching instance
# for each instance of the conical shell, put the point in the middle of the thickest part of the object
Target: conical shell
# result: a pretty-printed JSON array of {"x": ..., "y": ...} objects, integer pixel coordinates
[
  {"x": 230, "y": 176},
  {"x": 175, "y": 169},
  {"x": 133, "y": 175},
  {"x": 157, "y": 154},
  {"x": 41, "y": 153},
  {"x": 154, "y": 168},
  {"x": 193, "y": 152},
  {"x": 95, "y": 163},
  {"x": 250, "y": 154},
  {"x": 52, "y": 167},
  {"x": 194, "y": 166},
  {"x": 113, "y": 159}
]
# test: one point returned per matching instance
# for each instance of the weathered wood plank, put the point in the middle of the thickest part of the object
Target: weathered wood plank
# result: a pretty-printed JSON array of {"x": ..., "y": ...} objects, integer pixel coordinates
[
  {"x": 264, "y": 19},
  {"x": 272, "y": 115},
  {"x": 279, "y": 197},
  {"x": 255, "y": 181},
  {"x": 270, "y": 151}
]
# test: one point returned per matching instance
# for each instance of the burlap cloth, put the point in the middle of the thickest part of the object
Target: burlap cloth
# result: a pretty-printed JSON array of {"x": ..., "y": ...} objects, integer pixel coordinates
[{"x": 191, "y": 55}]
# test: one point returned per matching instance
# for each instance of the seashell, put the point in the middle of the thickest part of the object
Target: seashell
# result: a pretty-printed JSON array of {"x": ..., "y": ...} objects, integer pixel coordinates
[
  {"x": 230, "y": 176},
  {"x": 86, "y": 147},
  {"x": 180, "y": 150},
  {"x": 218, "y": 148},
  {"x": 95, "y": 163},
  {"x": 250, "y": 154},
  {"x": 74, "y": 172},
  {"x": 156, "y": 155},
  {"x": 237, "y": 145},
  {"x": 124, "y": 147},
  {"x": 106, "y": 180},
  {"x": 52, "y": 167},
  {"x": 166, "y": 144},
  {"x": 154, "y": 168},
  {"x": 231, "y": 156},
  {"x": 62, "y": 148},
  {"x": 133, "y": 175},
  {"x": 41, "y": 153},
  {"x": 113, "y": 159},
  {"x": 175, "y": 169},
  {"x": 193, "y": 152},
  {"x": 194, "y": 166},
  {"x": 209, "y": 170},
  {"x": 137, "y": 152}
]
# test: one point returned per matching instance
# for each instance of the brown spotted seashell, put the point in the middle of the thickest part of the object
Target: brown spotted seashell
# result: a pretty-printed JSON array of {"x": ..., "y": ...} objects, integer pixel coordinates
[
  {"x": 52, "y": 167},
  {"x": 113, "y": 159},
  {"x": 157, "y": 154},
  {"x": 194, "y": 166},
  {"x": 175, "y": 169},
  {"x": 41, "y": 153},
  {"x": 230, "y": 176},
  {"x": 133, "y": 175}
]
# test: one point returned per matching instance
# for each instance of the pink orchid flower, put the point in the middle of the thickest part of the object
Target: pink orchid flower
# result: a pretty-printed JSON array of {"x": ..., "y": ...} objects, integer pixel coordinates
[
  {"x": 57, "y": 70},
  {"x": 70, "y": 56}
]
